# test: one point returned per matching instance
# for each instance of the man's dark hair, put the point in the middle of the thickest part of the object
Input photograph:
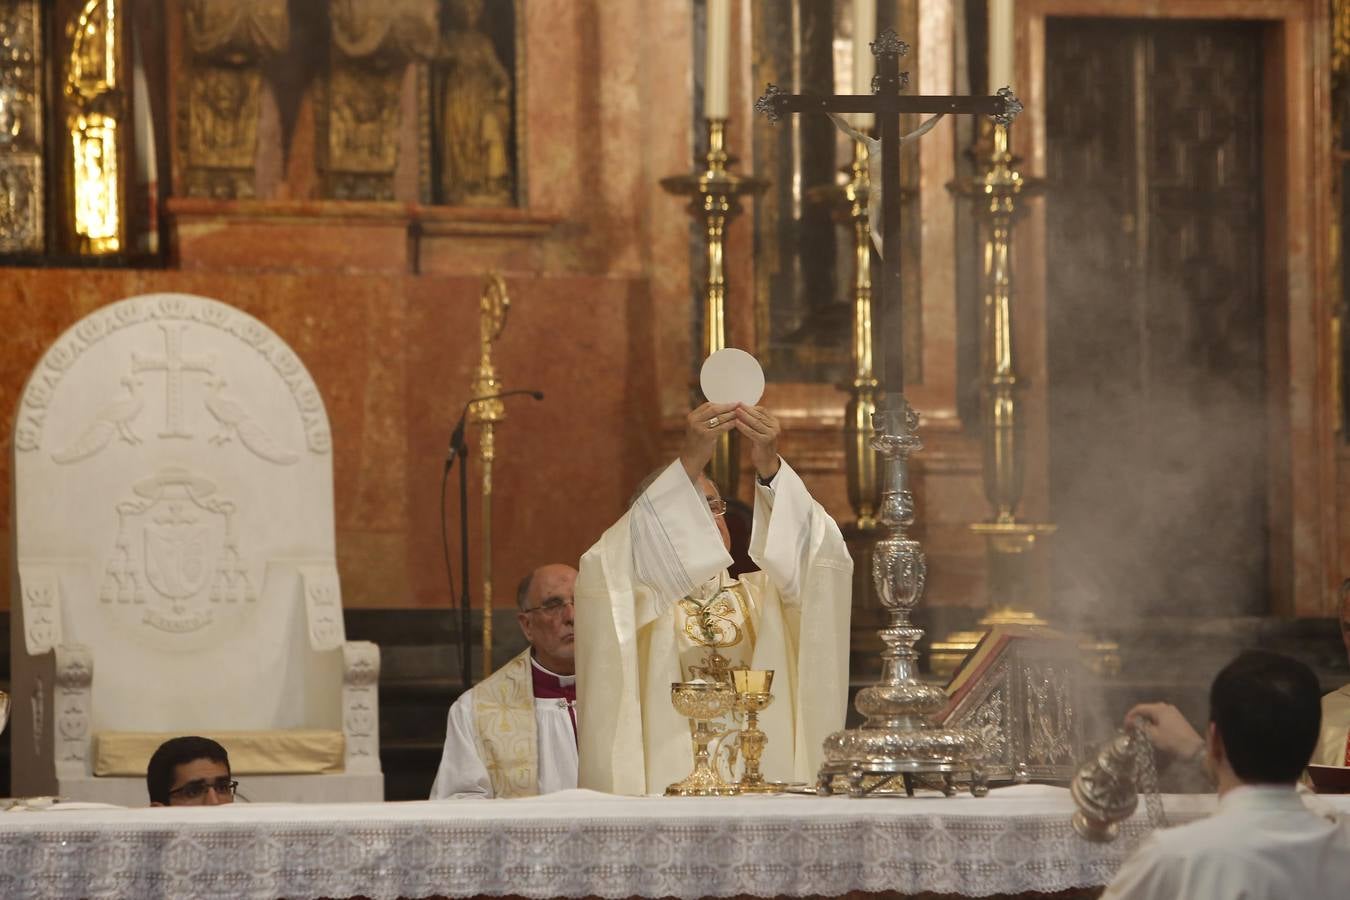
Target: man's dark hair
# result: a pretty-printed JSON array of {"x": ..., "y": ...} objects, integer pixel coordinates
[
  {"x": 1268, "y": 710},
  {"x": 523, "y": 591},
  {"x": 173, "y": 753}
]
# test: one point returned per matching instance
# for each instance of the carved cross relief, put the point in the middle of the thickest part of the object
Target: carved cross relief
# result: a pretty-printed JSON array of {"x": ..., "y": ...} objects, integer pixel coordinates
[{"x": 173, "y": 364}]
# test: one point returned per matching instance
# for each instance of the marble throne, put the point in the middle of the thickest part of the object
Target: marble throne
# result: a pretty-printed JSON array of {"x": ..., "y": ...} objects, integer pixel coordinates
[{"x": 173, "y": 566}]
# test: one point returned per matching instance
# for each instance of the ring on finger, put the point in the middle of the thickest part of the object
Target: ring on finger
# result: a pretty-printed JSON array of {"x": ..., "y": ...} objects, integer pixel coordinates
[{"x": 712, "y": 423}]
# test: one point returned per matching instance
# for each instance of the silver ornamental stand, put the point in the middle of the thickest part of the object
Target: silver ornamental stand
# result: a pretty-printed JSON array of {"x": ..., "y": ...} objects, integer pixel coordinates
[{"x": 898, "y": 739}]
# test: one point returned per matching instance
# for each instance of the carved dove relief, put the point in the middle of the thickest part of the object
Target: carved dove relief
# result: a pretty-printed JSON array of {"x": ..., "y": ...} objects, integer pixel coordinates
[
  {"x": 235, "y": 421},
  {"x": 114, "y": 420}
]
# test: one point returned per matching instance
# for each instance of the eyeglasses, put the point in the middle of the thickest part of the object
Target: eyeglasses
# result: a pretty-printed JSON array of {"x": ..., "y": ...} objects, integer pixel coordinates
[
  {"x": 194, "y": 790},
  {"x": 718, "y": 506},
  {"x": 552, "y": 606}
]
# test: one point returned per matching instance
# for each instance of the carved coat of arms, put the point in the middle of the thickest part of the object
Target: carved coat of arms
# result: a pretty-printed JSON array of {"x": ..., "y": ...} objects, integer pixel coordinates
[{"x": 176, "y": 553}]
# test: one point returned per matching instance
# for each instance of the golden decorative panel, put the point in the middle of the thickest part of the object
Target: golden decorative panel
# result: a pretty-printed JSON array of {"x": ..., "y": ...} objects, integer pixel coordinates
[
  {"x": 227, "y": 42},
  {"x": 473, "y": 105},
  {"x": 373, "y": 44},
  {"x": 96, "y": 103},
  {"x": 21, "y": 135}
]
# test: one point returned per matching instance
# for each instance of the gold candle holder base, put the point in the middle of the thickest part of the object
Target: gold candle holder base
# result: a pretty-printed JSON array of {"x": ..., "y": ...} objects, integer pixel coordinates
[{"x": 701, "y": 701}]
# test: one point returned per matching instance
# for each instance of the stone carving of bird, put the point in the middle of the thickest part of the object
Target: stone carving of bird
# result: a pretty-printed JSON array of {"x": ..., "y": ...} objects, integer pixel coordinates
[
  {"x": 113, "y": 420},
  {"x": 235, "y": 420}
]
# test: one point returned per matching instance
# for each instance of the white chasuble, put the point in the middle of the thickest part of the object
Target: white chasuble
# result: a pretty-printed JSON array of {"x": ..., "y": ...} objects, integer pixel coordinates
[
  {"x": 511, "y": 735},
  {"x": 653, "y": 593},
  {"x": 1333, "y": 747}
]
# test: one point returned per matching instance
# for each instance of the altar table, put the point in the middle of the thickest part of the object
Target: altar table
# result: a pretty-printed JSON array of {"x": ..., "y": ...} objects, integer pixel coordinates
[{"x": 574, "y": 843}]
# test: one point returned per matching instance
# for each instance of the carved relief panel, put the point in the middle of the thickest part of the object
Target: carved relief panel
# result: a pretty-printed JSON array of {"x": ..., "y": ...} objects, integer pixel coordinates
[
  {"x": 360, "y": 110},
  {"x": 226, "y": 43},
  {"x": 21, "y": 134}
]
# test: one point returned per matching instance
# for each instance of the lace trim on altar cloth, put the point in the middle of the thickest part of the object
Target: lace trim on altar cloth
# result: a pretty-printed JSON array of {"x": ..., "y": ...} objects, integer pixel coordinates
[{"x": 574, "y": 843}]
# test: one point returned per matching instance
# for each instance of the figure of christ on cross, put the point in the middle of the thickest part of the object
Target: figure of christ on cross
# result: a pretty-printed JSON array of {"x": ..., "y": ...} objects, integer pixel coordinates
[
  {"x": 897, "y": 741},
  {"x": 887, "y": 105}
]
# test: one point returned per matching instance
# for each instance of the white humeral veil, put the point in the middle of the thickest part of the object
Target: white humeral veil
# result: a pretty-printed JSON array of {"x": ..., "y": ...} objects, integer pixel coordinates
[{"x": 628, "y": 630}]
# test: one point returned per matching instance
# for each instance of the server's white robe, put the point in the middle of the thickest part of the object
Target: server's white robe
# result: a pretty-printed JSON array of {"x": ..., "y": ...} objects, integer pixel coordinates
[{"x": 1263, "y": 843}]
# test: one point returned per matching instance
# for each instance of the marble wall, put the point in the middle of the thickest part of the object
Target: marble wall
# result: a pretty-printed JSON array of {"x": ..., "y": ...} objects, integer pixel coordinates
[{"x": 380, "y": 300}]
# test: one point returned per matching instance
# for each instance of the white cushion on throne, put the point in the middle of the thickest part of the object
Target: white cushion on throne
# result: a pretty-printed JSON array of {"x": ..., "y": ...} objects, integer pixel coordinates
[{"x": 174, "y": 534}]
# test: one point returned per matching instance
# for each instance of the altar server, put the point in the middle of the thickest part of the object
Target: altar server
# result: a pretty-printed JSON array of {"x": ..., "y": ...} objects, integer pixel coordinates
[{"x": 1263, "y": 843}]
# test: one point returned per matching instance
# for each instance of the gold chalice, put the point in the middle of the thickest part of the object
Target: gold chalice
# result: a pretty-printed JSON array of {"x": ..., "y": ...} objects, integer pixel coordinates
[
  {"x": 752, "y": 696},
  {"x": 701, "y": 701}
]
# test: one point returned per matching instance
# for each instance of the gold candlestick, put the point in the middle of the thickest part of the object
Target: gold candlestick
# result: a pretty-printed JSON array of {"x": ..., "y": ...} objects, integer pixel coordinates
[
  {"x": 701, "y": 701},
  {"x": 492, "y": 310},
  {"x": 864, "y": 488},
  {"x": 1009, "y": 542},
  {"x": 753, "y": 696},
  {"x": 714, "y": 197}
]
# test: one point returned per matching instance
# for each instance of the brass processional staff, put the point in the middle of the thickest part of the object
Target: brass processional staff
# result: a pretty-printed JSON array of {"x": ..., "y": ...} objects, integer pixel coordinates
[
  {"x": 484, "y": 409},
  {"x": 486, "y": 413}
]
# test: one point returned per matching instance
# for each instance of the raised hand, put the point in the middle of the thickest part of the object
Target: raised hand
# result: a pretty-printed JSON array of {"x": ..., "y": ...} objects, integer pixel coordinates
[
  {"x": 702, "y": 427},
  {"x": 761, "y": 428}
]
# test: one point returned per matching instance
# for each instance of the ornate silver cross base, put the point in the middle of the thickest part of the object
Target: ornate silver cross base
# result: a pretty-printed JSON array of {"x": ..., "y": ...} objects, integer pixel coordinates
[{"x": 899, "y": 740}]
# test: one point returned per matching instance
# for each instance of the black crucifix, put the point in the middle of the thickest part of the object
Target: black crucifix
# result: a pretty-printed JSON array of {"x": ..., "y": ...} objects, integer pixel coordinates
[{"x": 887, "y": 105}]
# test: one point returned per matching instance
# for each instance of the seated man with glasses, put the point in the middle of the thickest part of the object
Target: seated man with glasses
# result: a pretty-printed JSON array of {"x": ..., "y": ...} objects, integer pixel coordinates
[
  {"x": 190, "y": 771},
  {"x": 656, "y": 604},
  {"x": 515, "y": 734}
]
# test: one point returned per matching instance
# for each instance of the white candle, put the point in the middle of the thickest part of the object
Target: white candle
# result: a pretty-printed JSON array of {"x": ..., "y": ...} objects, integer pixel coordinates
[
  {"x": 1000, "y": 44},
  {"x": 864, "y": 63},
  {"x": 718, "y": 50}
]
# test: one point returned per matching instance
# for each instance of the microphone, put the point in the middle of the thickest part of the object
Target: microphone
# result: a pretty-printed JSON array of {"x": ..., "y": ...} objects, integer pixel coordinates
[{"x": 457, "y": 447}]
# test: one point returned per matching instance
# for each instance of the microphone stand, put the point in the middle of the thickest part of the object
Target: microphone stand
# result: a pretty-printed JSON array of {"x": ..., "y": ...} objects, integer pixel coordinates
[
  {"x": 464, "y": 643},
  {"x": 459, "y": 449}
]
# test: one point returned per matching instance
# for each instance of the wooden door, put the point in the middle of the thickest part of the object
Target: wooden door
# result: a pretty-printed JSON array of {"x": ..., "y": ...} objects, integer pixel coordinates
[{"x": 1156, "y": 316}]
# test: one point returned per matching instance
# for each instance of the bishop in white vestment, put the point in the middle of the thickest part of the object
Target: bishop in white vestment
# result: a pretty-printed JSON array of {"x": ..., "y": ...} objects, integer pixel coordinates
[
  {"x": 654, "y": 598},
  {"x": 514, "y": 734}
]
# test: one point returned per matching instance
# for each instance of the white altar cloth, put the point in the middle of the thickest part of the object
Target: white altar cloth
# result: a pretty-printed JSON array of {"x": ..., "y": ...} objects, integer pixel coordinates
[{"x": 572, "y": 843}]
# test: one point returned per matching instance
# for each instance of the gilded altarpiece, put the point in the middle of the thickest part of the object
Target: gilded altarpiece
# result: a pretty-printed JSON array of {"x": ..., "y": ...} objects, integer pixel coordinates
[
  {"x": 360, "y": 109},
  {"x": 96, "y": 119},
  {"x": 226, "y": 44},
  {"x": 21, "y": 133}
]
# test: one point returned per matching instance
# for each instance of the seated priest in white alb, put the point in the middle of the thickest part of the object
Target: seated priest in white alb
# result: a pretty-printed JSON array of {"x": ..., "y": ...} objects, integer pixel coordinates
[
  {"x": 515, "y": 733},
  {"x": 1333, "y": 748},
  {"x": 654, "y": 600},
  {"x": 1262, "y": 843}
]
